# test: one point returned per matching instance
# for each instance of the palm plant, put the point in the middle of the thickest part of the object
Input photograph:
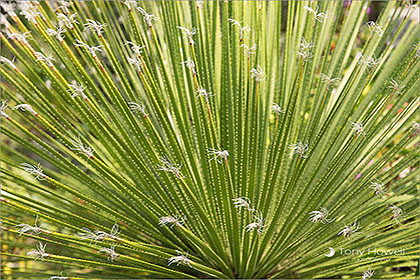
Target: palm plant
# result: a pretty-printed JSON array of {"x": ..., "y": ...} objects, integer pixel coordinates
[{"x": 192, "y": 139}]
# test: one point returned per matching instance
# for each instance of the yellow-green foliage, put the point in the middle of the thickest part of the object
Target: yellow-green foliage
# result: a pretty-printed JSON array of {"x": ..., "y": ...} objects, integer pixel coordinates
[{"x": 209, "y": 139}]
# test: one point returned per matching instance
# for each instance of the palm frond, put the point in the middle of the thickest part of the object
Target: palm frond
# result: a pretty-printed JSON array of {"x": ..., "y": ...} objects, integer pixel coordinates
[{"x": 209, "y": 139}]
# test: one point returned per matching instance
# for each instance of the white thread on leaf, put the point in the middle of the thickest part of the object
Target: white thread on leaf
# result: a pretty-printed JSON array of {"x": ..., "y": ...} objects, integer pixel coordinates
[
  {"x": 24, "y": 108},
  {"x": 188, "y": 33},
  {"x": 242, "y": 29},
  {"x": 79, "y": 146},
  {"x": 148, "y": 18},
  {"x": 299, "y": 149},
  {"x": 180, "y": 259},
  {"x": 350, "y": 230},
  {"x": 258, "y": 74},
  {"x": 110, "y": 252},
  {"x": 39, "y": 252},
  {"x": 175, "y": 220},
  {"x": 218, "y": 155},
  {"x": 94, "y": 26},
  {"x": 258, "y": 223},
  {"x": 34, "y": 170},
  {"x": 358, "y": 128},
  {"x": 320, "y": 216},
  {"x": 91, "y": 49},
  {"x": 243, "y": 202}
]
